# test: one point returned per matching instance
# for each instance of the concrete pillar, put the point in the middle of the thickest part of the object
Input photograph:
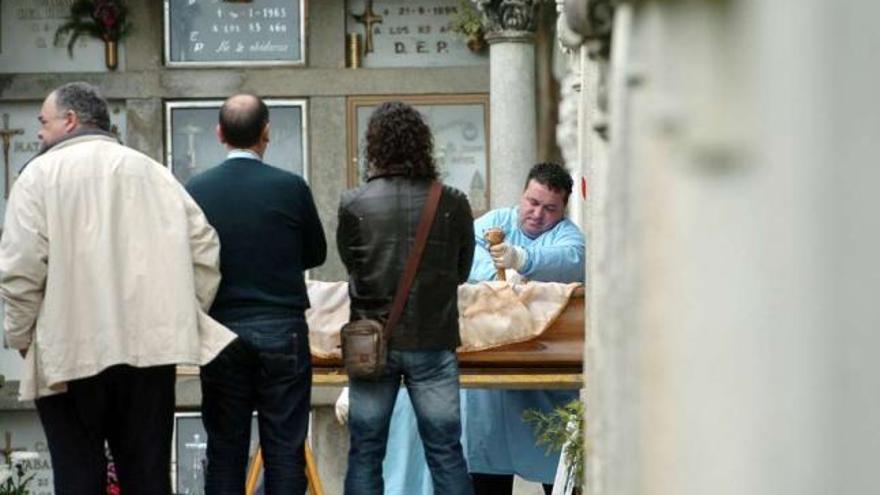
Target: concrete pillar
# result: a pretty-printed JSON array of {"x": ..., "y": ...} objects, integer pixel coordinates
[
  {"x": 511, "y": 37},
  {"x": 732, "y": 342}
]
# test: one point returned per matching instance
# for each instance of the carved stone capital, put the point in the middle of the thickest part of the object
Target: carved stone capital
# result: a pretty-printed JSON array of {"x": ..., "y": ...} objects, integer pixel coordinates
[
  {"x": 509, "y": 15},
  {"x": 592, "y": 19}
]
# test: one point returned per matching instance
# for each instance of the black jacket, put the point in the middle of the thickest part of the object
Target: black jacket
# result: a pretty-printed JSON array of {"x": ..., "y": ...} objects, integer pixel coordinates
[{"x": 377, "y": 226}]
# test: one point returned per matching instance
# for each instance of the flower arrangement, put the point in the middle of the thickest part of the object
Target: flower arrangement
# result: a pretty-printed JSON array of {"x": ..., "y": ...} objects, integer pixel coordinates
[
  {"x": 102, "y": 19},
  {"x": 13, "y": 476},
  {"x": 563, "y": 430},
  {"x": 468, "y": 22},
  {"x": 112, "y": 478}
]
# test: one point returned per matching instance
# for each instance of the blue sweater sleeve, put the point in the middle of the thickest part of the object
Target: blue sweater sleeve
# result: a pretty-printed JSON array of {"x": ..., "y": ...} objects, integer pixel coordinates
[{"x": 560, "y": 258}]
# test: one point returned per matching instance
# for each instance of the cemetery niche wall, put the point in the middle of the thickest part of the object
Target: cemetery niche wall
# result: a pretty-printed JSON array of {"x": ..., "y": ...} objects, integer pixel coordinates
[
  {"x": 409, "y": 33},
  {"x": 460, "y": 126},
  {"x": 209, "y": 33},
  {"x": 27, "y": 40},
  {"x": 192, "y": 145}
]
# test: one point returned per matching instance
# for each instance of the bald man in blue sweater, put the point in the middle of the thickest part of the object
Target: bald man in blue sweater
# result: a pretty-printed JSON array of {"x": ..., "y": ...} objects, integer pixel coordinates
[{"x": 270, "y": 234}]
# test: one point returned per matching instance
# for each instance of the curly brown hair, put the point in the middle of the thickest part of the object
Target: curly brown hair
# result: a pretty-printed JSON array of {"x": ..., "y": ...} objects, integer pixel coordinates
[{"x": 399, "y": 141}]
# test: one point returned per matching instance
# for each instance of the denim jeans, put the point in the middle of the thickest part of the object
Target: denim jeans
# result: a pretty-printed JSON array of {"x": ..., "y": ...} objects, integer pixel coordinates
[
  {"x": 431, "y": 378},
  {"x": 267, "y": 369}
]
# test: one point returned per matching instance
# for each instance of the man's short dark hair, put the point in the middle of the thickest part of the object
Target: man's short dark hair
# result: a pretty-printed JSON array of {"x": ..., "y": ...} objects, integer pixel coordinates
[
  {"x": 242, "y": 125},
  {"x": 553, "y": 176},
  {"x": 399, "y": 141},
  {"x": 86, "y": 102}
]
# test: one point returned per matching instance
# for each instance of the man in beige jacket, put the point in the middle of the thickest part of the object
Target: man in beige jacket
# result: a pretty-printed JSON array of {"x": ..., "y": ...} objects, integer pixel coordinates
[{"x": 107, "y": 267}]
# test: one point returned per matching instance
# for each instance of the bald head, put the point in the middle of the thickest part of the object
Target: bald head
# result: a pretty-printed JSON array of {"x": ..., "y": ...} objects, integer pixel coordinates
[{"x": 243, "y": 120}]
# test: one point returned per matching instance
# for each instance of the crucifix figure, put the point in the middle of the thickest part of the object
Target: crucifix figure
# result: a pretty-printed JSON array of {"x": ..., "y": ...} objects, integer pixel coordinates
[
  {"x": 6, "y": 134},
  {"x": 368, "y": 18},
  {"x": 191, "y": 131},
  {"x": 9, "y": 449}
]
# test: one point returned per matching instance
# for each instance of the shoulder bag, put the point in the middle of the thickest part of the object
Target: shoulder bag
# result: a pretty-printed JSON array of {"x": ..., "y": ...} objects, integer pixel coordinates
[{"x": 365, "y": 341}]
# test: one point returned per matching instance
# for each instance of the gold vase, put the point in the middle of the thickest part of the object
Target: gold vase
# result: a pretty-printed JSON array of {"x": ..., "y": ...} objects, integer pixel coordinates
[
  {"x": 353, "y": 51},
  {"x": 111, "y": 54},
  {"x": 477, "y": 43}
]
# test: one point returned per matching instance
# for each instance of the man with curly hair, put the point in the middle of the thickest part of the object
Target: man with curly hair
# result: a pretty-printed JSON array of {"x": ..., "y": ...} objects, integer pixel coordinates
[{"x": 377, "y": 225}]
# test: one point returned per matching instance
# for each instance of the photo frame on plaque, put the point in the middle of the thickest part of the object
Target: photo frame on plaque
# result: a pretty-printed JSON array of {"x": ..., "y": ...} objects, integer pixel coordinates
[
  {"x": 460, "y": 124},
  {"x": 208, "y": 33},
  {"x": 190, "y": 451},
  {"x": 191, "y": 144}
]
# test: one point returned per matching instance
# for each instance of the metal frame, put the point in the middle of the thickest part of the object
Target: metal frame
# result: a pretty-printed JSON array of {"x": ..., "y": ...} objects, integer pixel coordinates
[
  {"x": 175, "y": 452},
  {"x": 302, "y": 103},
  {"x": 166, "y": 46}
]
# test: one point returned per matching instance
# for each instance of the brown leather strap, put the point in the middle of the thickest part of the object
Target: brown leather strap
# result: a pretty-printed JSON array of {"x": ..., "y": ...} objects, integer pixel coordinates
[{"x": 415, "y": 256}]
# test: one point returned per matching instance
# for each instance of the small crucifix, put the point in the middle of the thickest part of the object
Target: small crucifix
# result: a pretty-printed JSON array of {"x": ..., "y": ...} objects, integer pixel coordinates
[
  {"x": 9, "y": 449},
  {"x": 368, "y": 18},
  {"x": 6, "y": 134},
  {"x": 191, "y": 131}
]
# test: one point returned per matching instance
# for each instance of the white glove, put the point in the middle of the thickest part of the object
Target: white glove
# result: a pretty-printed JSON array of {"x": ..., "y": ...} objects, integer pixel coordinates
[
  {"x": 506, "y": 256},
  {"x": 342, "y": 407}
]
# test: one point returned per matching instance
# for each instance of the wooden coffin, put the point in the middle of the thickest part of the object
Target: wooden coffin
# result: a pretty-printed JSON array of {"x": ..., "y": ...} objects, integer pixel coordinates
[{"x": 554, "y": 359}]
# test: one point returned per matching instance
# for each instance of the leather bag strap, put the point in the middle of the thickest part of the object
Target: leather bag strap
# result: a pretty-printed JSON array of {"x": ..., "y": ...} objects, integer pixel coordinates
[{"x": 415, "y": 256}]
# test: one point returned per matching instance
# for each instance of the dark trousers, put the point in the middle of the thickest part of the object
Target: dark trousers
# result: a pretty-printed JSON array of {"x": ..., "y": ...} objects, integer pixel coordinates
[
  {"x": 497, "y": 484},
  {"x": 132, "y": 409},
  {"x": 267, "y": 369}
]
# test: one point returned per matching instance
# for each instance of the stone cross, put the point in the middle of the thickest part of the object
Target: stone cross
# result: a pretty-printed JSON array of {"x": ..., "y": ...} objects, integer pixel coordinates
[
  {"x": 368, "y": 18},
  {"x": 9, "y": 449},
  {"x": 6, "y": 134}
]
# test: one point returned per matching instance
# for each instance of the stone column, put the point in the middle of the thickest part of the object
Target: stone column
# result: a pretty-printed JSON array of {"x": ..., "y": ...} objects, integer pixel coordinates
[{"x": 511, "y": 35}]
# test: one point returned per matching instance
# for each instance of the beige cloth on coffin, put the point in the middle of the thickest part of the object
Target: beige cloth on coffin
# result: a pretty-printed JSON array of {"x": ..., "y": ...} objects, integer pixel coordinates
[{"x": 491, "y": 314}]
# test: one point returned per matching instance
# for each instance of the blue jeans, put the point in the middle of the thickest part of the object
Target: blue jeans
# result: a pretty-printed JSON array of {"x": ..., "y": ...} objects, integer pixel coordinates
[
  {"x": 267, "y": 369},
  {"x": 431, "y": 378}
]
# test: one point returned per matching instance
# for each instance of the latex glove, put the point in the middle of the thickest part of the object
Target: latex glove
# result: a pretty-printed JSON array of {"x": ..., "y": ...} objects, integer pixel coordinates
[
  {"x": 514, "y": 277},
  {"x": 505, "y": 255},
  {"x": 342, "y": 407}
]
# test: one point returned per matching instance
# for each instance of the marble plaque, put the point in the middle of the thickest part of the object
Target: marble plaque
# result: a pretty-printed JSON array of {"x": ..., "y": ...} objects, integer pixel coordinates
[
  {"x": 27, "y": 35},
  {"x": 217, "y": 33},
  {"x": 26, "y": 433},
  {"x": 412, "y": 33},
  {"x": 461, "y": 142},
  {"x": 192, "y": 145},
  {"x": 190, "y": 452},
  {"x": 18, "y": 122}
]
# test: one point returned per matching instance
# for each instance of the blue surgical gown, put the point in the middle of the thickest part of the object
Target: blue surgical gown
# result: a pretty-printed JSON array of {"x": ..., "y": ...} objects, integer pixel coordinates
[{"x": 495, "y": 438}]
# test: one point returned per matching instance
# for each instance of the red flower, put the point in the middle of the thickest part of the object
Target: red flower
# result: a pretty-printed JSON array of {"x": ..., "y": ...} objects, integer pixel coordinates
[{"x": 106, "y": 14}]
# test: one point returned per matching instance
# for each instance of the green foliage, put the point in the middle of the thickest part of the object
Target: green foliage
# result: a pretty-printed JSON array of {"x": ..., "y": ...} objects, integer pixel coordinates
[
  {"x": 13, "y": 479},
  {"x": 102, "y": 19},
  {"x": 562, "y": 428},
  {"x": 467, "y": 20}
]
